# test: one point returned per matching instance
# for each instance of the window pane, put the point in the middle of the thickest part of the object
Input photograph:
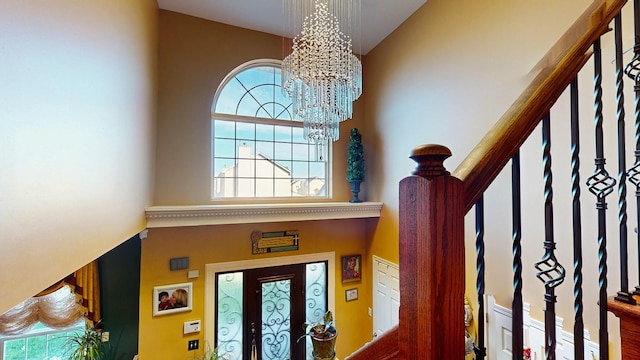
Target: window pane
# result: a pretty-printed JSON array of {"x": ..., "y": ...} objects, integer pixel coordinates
[
  {"x": 264, "y": 132},
  {"x": 264, "y": 169},
  {"x": 298, "y": 136},
  {"x": 224, "y": 187},
  {"x": 57, "y": 345},
  {"x": 276, "y": 319},
  {"x": 300, "y": 152},
  {"x": 245, "y": 188},
  {"x": 299, "y": 187},
  {"x": 300, "y": 169},
  {"x": 316, "y": 297},
  {"x": 224, "y": 129},
  {"x": 225, "y": 148},
  {"x": 245, "y": 149},
  {"x": 287, "y": 167},
  {"x": 245, "y": 131},
  {"x": 316, "y": 187},
  {"x": 283, "y": 187},
  {"x": 283, "y": 151},
  {"x": 15, "y": 349},
  {"x": 36, "y": 346},
  {"x": 264, "y": 187},
  {"x": 317, "y": 170},
  {"x": 283, "y": 133},
  {"x": 223, "y": 167},
  {"x": 265, "y": 148},
  {"x": 229, "y": 317},
  {"x": 229, "y": 97}
]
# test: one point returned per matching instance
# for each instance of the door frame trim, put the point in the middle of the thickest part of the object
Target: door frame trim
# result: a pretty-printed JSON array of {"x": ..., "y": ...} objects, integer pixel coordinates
[{"x": 212, "y": 269}]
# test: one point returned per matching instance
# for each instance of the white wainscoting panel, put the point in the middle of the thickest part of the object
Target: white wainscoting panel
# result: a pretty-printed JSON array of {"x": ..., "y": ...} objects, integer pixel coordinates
[{"x": 499, "y": 335}]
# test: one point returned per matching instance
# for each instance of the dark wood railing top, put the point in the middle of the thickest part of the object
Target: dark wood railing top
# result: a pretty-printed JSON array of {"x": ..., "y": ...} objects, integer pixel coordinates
[{"x": 557, "y": 69}]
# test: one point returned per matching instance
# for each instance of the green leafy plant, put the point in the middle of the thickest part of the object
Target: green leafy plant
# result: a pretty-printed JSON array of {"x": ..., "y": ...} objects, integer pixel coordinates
[
  {"x": 355, "y": 159},
  {"x": 320, "y": 330},
  {"x": 86, "y": 345},
  {"x": 210, "y": 354}
]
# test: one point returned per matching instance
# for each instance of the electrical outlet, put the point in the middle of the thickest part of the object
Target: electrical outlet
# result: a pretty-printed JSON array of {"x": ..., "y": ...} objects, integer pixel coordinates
[
  {"x": 193, "y": 345},
  {"x": 105, "y": 336}
]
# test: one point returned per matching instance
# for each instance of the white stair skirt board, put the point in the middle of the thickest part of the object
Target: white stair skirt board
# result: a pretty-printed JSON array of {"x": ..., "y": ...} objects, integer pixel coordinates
[{"x": 498, "y": 325}]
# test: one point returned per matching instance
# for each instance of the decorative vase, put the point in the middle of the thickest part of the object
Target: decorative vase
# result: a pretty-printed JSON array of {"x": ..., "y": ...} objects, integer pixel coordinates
[
  {"x": 355, "y": 189},
  {"x": 324, "y": 348}
]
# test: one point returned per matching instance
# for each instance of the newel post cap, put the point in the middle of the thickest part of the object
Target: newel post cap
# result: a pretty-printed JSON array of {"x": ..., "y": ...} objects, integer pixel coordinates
[{"x": 430, "y": 159}]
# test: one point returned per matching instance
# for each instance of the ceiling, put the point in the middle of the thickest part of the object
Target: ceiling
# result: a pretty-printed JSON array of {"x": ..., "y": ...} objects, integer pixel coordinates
[{"x": 379, "y": 17}]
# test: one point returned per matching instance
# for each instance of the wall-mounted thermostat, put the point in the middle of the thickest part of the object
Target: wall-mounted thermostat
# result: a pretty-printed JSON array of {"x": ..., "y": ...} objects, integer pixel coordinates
[{"x": 191, "y": 326}]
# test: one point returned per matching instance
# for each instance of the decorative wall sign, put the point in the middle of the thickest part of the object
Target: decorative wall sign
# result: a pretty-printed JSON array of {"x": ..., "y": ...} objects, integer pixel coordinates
[{"x": 276, "y": 241}]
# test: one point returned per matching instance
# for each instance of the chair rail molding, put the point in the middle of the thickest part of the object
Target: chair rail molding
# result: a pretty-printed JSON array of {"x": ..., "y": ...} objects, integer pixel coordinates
[{"x": 198, "y": 215}]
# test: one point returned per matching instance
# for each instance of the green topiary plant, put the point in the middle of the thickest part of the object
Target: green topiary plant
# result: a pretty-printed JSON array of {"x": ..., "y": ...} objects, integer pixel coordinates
[{"x": 355, "y": 159}]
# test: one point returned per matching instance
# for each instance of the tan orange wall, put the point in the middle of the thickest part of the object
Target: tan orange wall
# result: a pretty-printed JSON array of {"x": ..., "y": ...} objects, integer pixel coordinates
[
  {"x": 161, "y": 336},
  {"x": 445, "y": 77},
  {"x": 194, "y": 57},
  {"x": 78, "y": 93}
]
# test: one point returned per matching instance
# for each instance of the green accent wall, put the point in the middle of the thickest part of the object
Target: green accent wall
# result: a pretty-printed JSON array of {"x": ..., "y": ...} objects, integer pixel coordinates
[{"x": 120, "y": 289}]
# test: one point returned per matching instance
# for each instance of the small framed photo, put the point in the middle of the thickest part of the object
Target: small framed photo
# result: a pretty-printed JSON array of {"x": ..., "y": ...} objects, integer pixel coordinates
[
  {"x": 351, "y": 270},
  {"x": 169, "y": 299},
  {"x": 351, "y": 294}
]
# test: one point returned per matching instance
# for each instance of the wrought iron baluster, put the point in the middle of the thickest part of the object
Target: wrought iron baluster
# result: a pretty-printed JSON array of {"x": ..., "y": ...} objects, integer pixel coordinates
[
  {"x": 623, "y": 294},
  {"x": 578, "y": 324},
  {"x": 479, "y": 349},
  {"x": 550, "y": 271},
  {"x": 633, "y": 71},
  {"x": 601, "y": 184},
  {"x": 516, "y": 320}
]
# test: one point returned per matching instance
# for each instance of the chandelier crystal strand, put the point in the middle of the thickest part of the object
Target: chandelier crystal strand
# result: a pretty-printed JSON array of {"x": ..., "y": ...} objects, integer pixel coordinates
[{"x": 321, "y": 75}]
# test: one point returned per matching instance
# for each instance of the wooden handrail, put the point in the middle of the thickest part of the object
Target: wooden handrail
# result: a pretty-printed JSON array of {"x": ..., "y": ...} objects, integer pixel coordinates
[
  {"x": 433, "y": 204},
  {"x": 558, "y": 68},
  {"x": 384, "y": 347}
]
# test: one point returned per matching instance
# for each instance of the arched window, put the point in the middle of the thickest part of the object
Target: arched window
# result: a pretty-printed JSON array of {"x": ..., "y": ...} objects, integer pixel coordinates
[{"x": 258, "y": 149}]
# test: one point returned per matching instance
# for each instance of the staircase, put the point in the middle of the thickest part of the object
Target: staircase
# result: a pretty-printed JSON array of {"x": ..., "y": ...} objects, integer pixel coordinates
[{"x": 433, "y": 205}]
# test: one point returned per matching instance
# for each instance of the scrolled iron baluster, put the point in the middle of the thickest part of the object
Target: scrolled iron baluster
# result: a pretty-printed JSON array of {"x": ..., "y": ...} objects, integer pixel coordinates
[
  {"x": 479, "y": 349},
  {"x": 623, "y": 295},
  {"x": 578, "y": 306},
  {"x": 601, "y": 184},
  {"x": 550, "y": 271},
  {"x": 517, "y": 337},
  {"x": 632, "y": 70}
]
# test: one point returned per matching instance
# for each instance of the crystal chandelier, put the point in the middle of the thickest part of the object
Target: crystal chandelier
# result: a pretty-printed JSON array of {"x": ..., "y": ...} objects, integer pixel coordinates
[{"x": 321, "y": 75}]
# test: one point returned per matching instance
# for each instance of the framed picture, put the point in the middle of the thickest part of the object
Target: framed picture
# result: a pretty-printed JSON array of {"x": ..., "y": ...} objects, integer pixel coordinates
[
  {"x": 351, "y": 294},
  {"x": 351, "y": 268},
  {"x": 169, "y": 299}
]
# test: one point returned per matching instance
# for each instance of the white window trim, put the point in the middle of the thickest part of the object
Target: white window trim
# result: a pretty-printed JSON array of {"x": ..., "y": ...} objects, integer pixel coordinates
[{"x": 212, "y": 269}]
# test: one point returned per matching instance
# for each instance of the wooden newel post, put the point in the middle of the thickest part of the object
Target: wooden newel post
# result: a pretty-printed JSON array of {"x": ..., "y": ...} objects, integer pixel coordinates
[{"x": 431, "y": 260}]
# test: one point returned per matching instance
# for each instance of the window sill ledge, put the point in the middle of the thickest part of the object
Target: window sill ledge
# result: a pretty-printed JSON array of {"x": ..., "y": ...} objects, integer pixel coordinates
[{"x": 198, "y": 215}]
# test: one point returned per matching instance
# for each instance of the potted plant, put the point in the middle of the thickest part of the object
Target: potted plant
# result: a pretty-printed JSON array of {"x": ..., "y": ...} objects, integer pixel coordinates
[
  {"x": 210, "y": 354},
  {"x": 86, "y": 345},
  {"x": 355, "y": 163},
  {"x": 323, "y": 337}
]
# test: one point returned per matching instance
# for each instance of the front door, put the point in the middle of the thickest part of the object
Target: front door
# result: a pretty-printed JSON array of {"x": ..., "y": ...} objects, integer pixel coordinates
[
  {"x": 274, "y": 300},
  {"x": 260, "y": 312}
]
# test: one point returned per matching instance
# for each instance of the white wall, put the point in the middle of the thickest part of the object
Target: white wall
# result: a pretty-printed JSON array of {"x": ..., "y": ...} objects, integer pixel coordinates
[{"x": 77, "y": 83}]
